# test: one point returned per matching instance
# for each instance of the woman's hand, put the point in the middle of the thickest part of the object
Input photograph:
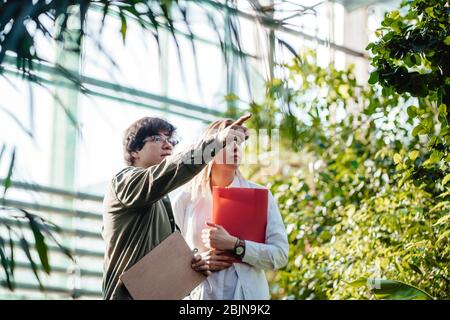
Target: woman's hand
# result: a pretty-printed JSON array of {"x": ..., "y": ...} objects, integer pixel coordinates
[
  {"x": 200, "y": 265},
  {"x": 216, "y": 237},
  {"x": 217, "y": 259}
]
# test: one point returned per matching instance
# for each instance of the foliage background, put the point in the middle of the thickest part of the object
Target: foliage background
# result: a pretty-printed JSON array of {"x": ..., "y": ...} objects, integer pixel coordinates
[{"x": 373, "y": 203}]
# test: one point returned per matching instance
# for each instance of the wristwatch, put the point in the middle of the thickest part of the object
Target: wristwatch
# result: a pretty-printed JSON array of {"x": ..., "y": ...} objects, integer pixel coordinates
[{"x": 239, "y": 248}]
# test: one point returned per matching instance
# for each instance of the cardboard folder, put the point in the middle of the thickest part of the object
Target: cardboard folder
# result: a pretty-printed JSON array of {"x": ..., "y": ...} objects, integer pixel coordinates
[
  {"x": 165, "y": 273},
  {"x": 241, "y": 211}
]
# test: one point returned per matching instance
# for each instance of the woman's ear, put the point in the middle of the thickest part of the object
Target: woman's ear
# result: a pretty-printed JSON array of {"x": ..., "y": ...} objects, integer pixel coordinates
[{"x": 135, "y": 155}]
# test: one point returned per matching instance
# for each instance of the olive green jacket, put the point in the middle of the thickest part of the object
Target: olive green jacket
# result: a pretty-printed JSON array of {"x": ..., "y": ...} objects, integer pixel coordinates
[{"x": 137, "y": 214}]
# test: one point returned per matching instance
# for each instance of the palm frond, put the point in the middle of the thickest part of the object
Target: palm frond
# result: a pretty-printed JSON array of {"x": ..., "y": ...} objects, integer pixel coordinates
[{"x": 16, "y": 221}]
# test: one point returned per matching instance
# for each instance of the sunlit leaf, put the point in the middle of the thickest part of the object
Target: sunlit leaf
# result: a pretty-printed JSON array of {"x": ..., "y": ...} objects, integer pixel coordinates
[
  {"x": 446, "y": 179},
  {"x": 413, "y": 154},
  {"x": 443, "y": 220},
  {"x": 392, "y": 290},
  {"x": 397, "y": 158},
  {"x": 123, "y": 27}
]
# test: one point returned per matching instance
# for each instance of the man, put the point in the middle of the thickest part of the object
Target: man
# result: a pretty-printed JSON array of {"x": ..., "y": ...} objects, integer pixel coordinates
[{"x": 137, "y": 214}]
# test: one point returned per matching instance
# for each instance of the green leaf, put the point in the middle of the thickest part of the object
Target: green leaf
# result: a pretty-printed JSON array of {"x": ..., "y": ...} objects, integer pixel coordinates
[
  {"x": 26, "y": 248},
  {"x": 417, "y": 130},
  {"x": 447, "y": 40},
  {"x": 430, "y": 12},
  {"x": 387, "y": 21},
  {"x": 417, "y": 59},
  {"x": 394, "y": 14},
  {"x": 396, "y": 290},
  {"x": 413, "y": 154},
  {"x": 5, "y": 265},
  {"x": 443, "y": 110},
  {"x": 435, "y": 157},
  {"x": 373, "y": 77},
  {"x": 123, "y": 27},
  {"x": 444, "y": 236},
  {"x": 397, "y": 158},
  {"x": 354, "y": 164},
  {"x": 412, "y": 111},
  {"x": 62, "y": 248},
  {"x": 231, "y": 97},
  {"x": 41, "y": 246},
  {"x": 446, "y": 179},
  {"x": 370, "y": 46},
  {"x": 8, "y": 181},
  {"x": 432, "y": 142},
  {"x": 409, "y": 61},
  {"x": 442, "y": 220},
  {"x": 358, "y": 283},
  {"x": 427, "y": 124},
  {"x": 11, "y": 247}
]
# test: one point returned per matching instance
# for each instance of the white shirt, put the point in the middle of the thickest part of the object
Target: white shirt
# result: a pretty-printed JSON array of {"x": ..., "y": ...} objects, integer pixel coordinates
[{"x": 240, "y": 281}]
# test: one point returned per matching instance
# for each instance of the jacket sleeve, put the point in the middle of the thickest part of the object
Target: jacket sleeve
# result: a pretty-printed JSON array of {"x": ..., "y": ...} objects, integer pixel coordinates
[
  {"x": 274, "y": 253},
  {"x": 141, "y": 187}
]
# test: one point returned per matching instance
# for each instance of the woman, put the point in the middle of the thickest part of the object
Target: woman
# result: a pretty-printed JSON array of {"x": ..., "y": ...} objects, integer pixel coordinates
[{"x": 193, "y": 210}]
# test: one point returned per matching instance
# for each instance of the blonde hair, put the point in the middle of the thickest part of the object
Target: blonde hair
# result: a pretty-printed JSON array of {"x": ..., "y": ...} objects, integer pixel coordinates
[{"x": 199, "y": 185}]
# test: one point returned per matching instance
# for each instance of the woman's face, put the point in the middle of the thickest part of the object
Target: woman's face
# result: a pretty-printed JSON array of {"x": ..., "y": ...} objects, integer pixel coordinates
[{"x": 231, "y": 155}]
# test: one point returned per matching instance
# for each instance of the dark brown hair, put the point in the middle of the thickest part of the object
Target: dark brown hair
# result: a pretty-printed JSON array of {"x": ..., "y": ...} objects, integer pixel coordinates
[{"x": 140, "y": 130}]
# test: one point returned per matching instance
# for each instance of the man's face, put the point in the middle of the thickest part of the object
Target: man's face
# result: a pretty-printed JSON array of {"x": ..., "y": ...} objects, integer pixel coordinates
[{"x": 153, "y": 152}]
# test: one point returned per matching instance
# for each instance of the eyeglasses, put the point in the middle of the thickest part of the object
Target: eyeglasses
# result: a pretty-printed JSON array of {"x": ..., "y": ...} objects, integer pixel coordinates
[{"x": 161, "y": 140}]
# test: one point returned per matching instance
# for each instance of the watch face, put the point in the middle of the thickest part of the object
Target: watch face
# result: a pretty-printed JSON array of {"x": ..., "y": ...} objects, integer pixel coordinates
[{"x": 239, "y": 250}]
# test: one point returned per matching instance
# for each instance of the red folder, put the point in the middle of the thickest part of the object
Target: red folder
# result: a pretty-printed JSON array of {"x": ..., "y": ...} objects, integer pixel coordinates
[{"x": 241, "y": 211}]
